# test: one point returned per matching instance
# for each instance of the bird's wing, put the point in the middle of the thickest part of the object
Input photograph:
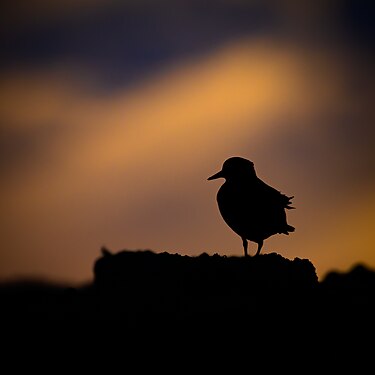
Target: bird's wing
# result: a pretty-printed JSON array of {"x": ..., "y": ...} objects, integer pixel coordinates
[{"x": 273, "y": 196}]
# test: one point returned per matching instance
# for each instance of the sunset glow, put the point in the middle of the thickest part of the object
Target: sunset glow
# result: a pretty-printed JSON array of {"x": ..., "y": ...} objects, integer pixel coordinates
[{"x": 128, "y": 168}]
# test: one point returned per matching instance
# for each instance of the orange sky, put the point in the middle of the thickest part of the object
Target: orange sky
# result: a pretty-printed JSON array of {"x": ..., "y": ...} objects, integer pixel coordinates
[{"x": 128, "y": 169}]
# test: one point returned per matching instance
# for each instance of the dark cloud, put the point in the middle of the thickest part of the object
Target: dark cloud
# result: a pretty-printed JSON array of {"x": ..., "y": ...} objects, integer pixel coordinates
[
  {"x": 357, "y": 21},
  {"x": 125, "y": 41}
]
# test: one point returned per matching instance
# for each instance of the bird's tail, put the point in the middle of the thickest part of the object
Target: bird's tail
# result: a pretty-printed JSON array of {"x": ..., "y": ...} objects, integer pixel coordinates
[
  {"x": 288, "y": 204},
  {"x": 288, "y": 229}
]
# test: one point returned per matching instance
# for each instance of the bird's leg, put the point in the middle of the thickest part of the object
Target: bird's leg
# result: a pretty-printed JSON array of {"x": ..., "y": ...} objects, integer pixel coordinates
[
  {"x": 260, "y": 245},
  {"x": 244, "y": 243}
]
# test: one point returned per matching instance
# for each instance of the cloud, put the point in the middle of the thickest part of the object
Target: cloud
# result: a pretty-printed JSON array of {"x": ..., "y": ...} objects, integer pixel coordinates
[{"x": 125, "y": 42}]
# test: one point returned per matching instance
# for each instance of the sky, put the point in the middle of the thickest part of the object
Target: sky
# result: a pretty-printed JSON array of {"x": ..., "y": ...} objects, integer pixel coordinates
[{"x": 114, "y": 113}]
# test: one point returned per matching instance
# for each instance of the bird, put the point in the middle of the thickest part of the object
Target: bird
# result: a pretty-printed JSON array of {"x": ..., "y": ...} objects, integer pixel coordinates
[{"x": 251, "y": 208}]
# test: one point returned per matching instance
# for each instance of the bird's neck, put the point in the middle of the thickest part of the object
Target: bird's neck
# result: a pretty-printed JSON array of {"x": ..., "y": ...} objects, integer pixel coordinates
[{"x": 241, "y": 180}]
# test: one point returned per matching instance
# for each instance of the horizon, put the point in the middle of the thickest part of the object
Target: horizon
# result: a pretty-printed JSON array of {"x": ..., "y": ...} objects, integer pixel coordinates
[{"x": 63, "y": 283}]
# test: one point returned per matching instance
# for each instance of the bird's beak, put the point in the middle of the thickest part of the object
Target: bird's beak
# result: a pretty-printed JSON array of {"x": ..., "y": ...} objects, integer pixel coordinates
[{"x": 216, "y": 175}]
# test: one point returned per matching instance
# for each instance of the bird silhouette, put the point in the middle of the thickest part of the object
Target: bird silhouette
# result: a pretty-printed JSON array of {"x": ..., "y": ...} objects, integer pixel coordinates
[{"x": 250, "y": 207}]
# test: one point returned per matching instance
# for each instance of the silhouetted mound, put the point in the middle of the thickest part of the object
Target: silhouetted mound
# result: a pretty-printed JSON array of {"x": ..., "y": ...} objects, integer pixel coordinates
[
  {"x": 358, "y": 280},
  {"x": 40, "y": 300},
  {"x": 350, "y": 294},
  {"x": 150, "y": 273},
  {"x": 203, "y": 287}
]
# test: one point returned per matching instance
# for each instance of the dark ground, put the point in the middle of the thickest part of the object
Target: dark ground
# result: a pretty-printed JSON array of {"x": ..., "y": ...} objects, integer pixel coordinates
[
  {"x": 182, "y": 311},
  {"x": 146, "y": 289}
]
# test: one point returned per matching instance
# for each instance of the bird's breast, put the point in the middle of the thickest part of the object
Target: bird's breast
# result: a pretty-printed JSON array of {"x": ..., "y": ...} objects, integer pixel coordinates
[
  {"x": 237, "y": 198},
  {"x": 238, "y": 206}
]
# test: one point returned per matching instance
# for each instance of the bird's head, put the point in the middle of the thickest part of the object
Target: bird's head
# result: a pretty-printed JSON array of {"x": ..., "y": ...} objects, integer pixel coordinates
[{"x": 235, "y": 168}]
